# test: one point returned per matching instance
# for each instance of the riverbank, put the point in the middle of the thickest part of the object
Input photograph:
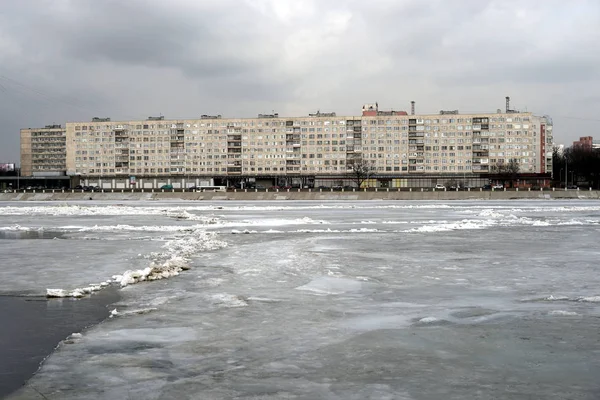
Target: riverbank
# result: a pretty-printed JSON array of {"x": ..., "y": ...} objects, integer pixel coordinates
[{"x": 293, "y": 194}]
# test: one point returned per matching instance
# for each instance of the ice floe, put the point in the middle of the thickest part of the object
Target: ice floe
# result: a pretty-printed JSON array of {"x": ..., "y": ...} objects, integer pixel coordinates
[
  {"x": 590, "y": 299},
  {"x": 228, "y": 300},
  {"x": 563, "y": 313},
  {"x": 164, "y": 264}
]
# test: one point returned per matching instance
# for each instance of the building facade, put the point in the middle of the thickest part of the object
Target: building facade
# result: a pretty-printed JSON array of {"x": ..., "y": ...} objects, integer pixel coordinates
[
  {"x": 44, "y": 151},
  {"x": 584, "y": 142},
  {"x": 403, "y": 150}
]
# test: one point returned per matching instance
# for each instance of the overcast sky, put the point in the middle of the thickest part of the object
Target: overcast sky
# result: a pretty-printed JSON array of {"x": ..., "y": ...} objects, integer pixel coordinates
[{"x": 68, "y": 60}]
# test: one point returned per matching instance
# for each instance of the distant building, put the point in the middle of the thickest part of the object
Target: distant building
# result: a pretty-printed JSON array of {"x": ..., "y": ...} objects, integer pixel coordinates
[
  {"x": 584, "y": 142},
  {"x": 44, "y": 151},
  {"x": 404, "y": 150}
]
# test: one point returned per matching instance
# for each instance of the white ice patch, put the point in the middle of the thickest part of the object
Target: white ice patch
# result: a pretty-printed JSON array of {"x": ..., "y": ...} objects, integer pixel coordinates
[
  {"x": 228, "y": 300},
  {"x": 589, "y": 299},
  {"x": 245, "y": 231},
  {"x": 555, "y": 298},
  {"x": 263, "y": 299},
  {"x": 79, "y": 292},
  {"x": 131, "y": 228},
  {"x": 330, "y": 285},
  {"x": 354, "y": 230},
  {"x": 18, "y": 228},
  {"x": 562, "y": 313},
  {"x": 452, "y": 226},
  {"x": 428, "y": 320},
  {"x": 328, "y": 230},
  {"x": 109, "y": 210},
  {"x": 138, "y": 311},
  {"x": 276, "y": 222},
  {"x": 490, "y": 214}
]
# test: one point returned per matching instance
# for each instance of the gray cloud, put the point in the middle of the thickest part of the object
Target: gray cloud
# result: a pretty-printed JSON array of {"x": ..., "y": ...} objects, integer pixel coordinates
[{"x": 67, "y": 60}]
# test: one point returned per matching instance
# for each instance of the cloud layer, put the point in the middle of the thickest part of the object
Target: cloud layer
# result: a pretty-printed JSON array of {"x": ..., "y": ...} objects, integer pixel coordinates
[{"x": 66, "y": 60}]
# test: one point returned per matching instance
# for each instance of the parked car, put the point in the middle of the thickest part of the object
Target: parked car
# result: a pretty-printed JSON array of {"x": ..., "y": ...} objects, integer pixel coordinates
[
  {"x": 167, "y": 187},
  {"x": 286, "y": 187},
  {"x": 78, "y": 187},
  {"x": 439, "y": 186},
  {"x": 275, "y": 187},
  {"x": 260, "y": 187},
  {"x": 498, "y": 186},
  {"x": 487, "y": 187},
  {"x": 572, "y": 187}
]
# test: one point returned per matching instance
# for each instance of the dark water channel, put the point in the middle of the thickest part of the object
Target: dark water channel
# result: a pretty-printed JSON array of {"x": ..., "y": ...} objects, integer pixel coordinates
[{"x": 32, "y": 327}]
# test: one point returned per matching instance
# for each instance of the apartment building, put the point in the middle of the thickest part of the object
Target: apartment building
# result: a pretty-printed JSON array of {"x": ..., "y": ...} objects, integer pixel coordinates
[
  {"x": 584, "y": 142},
  {"x": 43, "y": 151},
  {"x": 404, "y": 150}
]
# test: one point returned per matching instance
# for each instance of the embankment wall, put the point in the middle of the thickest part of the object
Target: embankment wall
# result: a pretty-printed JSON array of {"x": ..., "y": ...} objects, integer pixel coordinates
[{"x": 304, "y": 195}]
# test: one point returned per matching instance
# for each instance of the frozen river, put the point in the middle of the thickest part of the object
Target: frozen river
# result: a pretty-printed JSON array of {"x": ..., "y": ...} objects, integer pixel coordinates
[{"x": 318, "y": 300}]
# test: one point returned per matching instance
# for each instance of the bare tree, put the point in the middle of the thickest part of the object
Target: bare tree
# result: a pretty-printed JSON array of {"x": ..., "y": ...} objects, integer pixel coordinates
[
  {"x": 499, "y": 167},
  {"x": 507, "y": 171},
  {"x": 513, "y": 167},
  {"x": 360, "y": 170}
]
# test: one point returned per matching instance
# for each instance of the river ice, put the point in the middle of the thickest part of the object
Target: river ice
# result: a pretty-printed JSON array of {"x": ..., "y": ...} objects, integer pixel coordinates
[{"x": 319, "y": 300}]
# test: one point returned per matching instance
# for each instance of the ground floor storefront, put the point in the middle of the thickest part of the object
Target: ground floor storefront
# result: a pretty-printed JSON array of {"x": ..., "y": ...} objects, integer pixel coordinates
[{"x": 523, "y": 181}]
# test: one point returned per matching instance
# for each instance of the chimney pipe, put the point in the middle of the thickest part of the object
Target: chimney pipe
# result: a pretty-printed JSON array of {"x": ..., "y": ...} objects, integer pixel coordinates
[
  {"x": 412, "y": 108},
  {"x": 507, "y": 104}
]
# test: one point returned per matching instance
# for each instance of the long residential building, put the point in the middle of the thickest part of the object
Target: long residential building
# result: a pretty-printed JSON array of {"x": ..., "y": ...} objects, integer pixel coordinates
[{"x": 404, "y": 150}]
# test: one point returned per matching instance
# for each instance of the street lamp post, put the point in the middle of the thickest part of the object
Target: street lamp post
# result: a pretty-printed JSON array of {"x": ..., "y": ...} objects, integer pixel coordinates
[
  {"x": 560, "y": 175},
  {"x": 572, "y": 180},
  {"x": 566, "y": 170}
]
